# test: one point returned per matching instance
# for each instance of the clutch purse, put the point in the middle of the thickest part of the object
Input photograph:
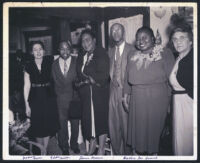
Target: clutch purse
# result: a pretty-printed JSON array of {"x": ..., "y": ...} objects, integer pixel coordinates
[{"x": 81, "y": 83}]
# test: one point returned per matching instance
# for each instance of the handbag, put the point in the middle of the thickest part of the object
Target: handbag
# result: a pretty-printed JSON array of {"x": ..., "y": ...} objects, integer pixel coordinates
[
  {"x": 75, "y": 106},
  {"x": 165, "y": 145}
]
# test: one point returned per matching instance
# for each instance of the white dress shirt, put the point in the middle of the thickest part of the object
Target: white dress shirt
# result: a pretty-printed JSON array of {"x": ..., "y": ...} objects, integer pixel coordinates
[
  {"x": 121, "y": 49},
  {"x": 61, "y": 63},
  {"x": 84, "y": 61}
]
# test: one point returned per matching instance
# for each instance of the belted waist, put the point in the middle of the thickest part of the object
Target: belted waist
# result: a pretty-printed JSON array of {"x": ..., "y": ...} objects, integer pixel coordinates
[
  {"x": 149, "y": 85},
  {"x": 179, "y": 92},
  {"x": 40, "y": 85}
]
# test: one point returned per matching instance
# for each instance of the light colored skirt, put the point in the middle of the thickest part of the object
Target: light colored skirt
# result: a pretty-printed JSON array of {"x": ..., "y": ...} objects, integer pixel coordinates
[
  {"x": 182, "y": 125},
  {"x": 92, "y": 115}
]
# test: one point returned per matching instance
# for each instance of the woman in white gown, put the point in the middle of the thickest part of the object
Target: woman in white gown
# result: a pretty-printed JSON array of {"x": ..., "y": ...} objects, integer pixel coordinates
[{"x": 181, "y": 79}]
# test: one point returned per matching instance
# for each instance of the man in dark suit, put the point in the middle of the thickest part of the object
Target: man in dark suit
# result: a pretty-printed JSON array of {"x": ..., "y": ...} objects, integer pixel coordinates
[
  {"x": 64, "y": 74},
  {"x": 118, "y": 117}
]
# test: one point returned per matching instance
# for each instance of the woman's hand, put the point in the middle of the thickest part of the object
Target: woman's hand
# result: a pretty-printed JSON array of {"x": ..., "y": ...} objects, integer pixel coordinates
[
  {"x": 28, "y": 111},
  {"x": 27, "y": 86},
  {"x": 125, "y": 102}
]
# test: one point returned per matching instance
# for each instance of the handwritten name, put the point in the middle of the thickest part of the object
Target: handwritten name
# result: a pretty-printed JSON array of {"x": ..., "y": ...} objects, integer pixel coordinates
[
  {"x": 84, "y": 158},
  {"x": 140, "y": 158},
  {"x": 59, "y": 157},
  {"x": 32, "y": 157},
  {"x": 151, "y": 157},
  {"x": 90, "y": 157},
  {"x": 97, "y": 157}
]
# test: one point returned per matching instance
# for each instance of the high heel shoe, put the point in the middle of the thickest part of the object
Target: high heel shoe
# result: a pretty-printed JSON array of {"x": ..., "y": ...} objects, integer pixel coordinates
[
  {"x": 135, "y": 153},
  {"x": 101, "y": 151},
  {"x": 92, "y": 148}
]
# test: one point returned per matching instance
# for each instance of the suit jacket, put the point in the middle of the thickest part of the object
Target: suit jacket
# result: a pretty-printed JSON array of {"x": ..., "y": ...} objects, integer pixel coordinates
[
  {"x": 126, "y": 51},
  {"x": 64, "y": 85}
]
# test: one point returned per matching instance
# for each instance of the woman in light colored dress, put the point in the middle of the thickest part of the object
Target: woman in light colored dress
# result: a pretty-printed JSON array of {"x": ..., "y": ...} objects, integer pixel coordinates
[{"x": 181, "y": 79}]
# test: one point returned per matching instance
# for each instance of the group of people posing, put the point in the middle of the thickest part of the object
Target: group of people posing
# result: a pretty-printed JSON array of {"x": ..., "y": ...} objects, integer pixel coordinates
[{"x": 125, "y": 94}]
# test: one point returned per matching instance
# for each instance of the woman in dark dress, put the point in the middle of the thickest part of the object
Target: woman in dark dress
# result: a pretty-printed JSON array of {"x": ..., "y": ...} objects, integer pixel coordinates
[
  {"x": 39, "y": 95},
  {"x": 181, "y": 79},
  {"x": 93, "y": 70}
]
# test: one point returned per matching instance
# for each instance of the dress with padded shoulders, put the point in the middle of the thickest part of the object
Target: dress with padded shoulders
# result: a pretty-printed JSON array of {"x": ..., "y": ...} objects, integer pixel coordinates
[
  {"x": 42, "y": 100},
  {"x": 149, "y": 102}
]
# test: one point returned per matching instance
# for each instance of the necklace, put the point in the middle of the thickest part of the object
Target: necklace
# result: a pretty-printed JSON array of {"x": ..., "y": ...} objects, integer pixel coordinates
[{"x": 146, "y": 59}]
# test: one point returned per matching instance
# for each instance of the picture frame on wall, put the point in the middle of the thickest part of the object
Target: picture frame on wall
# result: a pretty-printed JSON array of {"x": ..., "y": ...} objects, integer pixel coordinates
[{"x": 44, "y": 36}]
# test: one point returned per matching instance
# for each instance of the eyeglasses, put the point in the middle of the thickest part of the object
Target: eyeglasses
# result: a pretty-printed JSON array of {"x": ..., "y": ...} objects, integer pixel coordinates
[{"x": 180, "y": 39}]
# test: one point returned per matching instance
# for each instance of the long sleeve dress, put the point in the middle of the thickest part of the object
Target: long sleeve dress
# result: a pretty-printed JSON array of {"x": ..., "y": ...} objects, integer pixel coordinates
[
  {"x": 42, "y": 99},
  {"x": 149, "y": 102},
  {"x": 181, "y": 79},
  {"x": 94, "y": 98}
]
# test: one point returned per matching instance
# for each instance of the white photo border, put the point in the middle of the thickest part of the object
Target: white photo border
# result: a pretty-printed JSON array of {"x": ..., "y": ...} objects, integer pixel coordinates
[{"x": 5, "y": 110}]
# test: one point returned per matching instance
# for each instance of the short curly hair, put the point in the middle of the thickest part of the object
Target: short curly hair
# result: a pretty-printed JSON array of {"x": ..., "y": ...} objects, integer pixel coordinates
[
  {"x": 179, "y": 24},
  {"x": 185, "y": 28},
  {"x": 89, "y": 32},
  {"x": 148, "y": 30},
  {"x": 36, "y": 42}
]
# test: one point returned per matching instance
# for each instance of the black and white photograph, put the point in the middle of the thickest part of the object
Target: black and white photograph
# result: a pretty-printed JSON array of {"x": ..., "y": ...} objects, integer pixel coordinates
[{"x": 99, "y": 81}]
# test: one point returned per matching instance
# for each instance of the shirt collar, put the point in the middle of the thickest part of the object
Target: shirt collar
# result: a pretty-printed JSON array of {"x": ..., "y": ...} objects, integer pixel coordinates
[
  {"x": 121, "y": 47},
  {"x": 63, "y": 59}
]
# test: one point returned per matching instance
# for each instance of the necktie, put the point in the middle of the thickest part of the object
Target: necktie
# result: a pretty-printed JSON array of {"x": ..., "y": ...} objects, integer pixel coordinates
[
  {"x": 89, "y": 55},
  {"x": 117, "y": 67},
  {"x": 117, "y": 53},
  {"x": 65, "y": 68}
]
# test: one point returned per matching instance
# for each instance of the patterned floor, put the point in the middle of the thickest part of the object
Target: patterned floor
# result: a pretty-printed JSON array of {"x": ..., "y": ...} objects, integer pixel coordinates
[{"x": 53, "y": 148}]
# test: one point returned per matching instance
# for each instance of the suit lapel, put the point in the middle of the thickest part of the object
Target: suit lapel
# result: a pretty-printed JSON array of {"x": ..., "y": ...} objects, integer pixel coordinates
[
  {"x": 61, "y": 74},
  {"x": 112, "y": 60},
  {"x": 124, "y": 61},
  {"x": 58, "y": 71},
  {"x": 70, "y": 67}
]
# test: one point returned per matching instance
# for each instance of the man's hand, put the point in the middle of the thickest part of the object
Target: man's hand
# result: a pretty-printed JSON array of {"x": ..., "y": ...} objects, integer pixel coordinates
[{"x": 125, "y": 102}]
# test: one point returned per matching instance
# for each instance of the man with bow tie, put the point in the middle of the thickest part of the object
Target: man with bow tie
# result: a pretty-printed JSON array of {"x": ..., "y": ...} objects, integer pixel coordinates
[{"x": 64, "y": 74}]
